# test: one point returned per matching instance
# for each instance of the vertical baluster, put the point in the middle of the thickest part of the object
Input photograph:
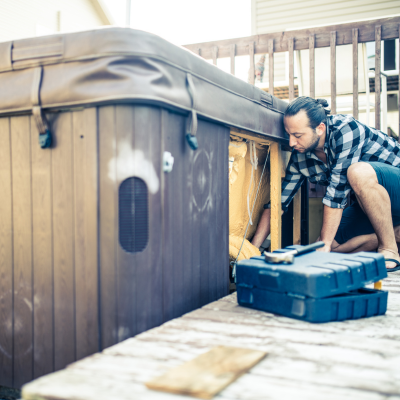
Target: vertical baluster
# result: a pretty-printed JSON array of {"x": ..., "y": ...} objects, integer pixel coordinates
[
  {"x": 355, "y": 73},
  {"x": 271, "y": 66},
  {"x": 378, "y": 77},
  {"x": 311, "y": 45},
  {"x": 252, "y": 68},
  {"x": 233, "y": 54},
  {"x": 215, "y": 54},
  {"x": 333, "y": 72},
  {"x": 291, "y": 69}
]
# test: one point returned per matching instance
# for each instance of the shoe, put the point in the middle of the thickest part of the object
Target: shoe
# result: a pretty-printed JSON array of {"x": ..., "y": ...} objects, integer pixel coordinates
[{"x": 396, "y": 268}]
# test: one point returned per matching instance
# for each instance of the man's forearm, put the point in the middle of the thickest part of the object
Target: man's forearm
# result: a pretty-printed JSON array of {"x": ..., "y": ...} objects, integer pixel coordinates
[
  {"x": 330, "y": 225},
  {"x": 263, "y": 228}
]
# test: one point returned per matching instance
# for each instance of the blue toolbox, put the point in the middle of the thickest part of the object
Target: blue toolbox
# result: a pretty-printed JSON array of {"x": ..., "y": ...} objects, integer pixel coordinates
[{"x": 316, "y": 287}]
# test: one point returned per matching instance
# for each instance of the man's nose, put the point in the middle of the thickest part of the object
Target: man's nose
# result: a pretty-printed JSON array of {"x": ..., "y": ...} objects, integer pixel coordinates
[{"x": 292, "y": 141}]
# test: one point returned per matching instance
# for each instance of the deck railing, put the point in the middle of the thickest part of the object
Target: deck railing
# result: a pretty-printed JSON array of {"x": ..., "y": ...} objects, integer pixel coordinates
[{"x": 327, "y": 36}]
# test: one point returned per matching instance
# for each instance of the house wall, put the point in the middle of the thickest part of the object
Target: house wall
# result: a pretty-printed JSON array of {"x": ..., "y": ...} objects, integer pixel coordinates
[
  {"x": 27, "y": 18},
  {"x": 284, "y": 15}
]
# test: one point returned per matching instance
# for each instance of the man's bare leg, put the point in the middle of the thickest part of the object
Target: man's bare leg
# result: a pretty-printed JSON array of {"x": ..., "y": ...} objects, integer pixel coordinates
[
  {"x": 375, "y": 202},
  {"x": 363, "y": 243}
]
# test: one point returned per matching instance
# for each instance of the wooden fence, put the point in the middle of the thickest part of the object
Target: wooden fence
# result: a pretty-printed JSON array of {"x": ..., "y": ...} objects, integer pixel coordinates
[{"x": 327, "y": 36}]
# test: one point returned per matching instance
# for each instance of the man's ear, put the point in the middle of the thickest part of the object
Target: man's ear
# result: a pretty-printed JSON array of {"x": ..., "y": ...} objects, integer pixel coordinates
[{"x": 321, "y": 128}]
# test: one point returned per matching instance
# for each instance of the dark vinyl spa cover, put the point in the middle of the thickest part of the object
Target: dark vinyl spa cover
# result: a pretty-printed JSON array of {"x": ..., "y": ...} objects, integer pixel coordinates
[{"x": 112, "y": 65}]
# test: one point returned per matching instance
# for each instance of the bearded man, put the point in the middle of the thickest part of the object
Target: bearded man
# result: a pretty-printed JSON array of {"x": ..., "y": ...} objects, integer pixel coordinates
[{"x": 343, "y": 154}]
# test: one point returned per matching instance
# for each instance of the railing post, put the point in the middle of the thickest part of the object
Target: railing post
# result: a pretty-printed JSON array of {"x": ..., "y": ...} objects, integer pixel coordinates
[
  {"x": 291, "y": 69},
  {"x": 271, "y": 66},
  {"x": 333, "y": 72},
  {"x": 233, "y": 54},
  {"x": 355, "y": 73},
  {"x": 215, "y": 54},
  {"x": 311, "y": 46},
  {"x": 252, "y": 67},
  {"x": 378, "y": 77}
]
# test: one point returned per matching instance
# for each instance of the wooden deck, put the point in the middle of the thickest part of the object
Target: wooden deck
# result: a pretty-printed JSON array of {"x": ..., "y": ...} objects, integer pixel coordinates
[{"x": 343, "y": 360}]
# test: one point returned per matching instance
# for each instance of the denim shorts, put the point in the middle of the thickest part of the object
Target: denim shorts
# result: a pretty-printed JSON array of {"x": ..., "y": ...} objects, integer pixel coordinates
[{"x": 354, "y": 222}]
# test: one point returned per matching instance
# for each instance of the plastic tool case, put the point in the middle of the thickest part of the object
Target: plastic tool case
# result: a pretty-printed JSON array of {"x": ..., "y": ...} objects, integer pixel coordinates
[
  {"x": 97, "y": 241},
  {"x": 317, "y": 287}
]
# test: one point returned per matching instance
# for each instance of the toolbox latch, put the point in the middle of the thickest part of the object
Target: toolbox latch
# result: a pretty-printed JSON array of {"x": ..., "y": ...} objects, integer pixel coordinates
[{"x": 191, "y": 123}]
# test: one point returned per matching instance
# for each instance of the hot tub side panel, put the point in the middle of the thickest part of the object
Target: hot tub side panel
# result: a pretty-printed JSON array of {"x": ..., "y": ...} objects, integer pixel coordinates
[{"x": 185, "y": 262}]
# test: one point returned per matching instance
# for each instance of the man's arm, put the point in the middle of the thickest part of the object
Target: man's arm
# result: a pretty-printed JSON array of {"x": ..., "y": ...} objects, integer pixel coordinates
[
  {"x": 263, "y": 228},
  {"x": 330, "y": 225}
]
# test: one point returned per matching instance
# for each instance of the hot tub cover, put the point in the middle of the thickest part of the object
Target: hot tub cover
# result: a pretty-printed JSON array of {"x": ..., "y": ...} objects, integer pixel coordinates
[{"x": 114, "y": 65}]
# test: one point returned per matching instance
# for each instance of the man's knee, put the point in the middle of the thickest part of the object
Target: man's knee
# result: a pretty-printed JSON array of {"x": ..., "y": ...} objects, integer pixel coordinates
[{"x": 360, "y": 175}]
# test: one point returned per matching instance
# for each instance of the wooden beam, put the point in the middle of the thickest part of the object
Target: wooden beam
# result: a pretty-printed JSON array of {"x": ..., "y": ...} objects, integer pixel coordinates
[
  {"x": 291, "y": 69},
  {"x": 271, "y": 66},
  {"x": 366, "y": 33},
  {"x": 312, "y": 65},
  {"x": 333, "y": 72},
  {"x": 252, "y": 67},
  {"x": 233, "y": 54},
  {"x": 378, "y": 38},
  {"x": 276, "y": 194},
  {"x": 355, "y": 73},
  {"x": 297, "y": 218}
]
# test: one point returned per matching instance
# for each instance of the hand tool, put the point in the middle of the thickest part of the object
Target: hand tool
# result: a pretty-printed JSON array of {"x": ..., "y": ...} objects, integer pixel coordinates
[{"x": 288, "y": 257}]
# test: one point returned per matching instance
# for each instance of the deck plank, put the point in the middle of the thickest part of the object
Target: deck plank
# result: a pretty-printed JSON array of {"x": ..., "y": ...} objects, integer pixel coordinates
[{"x": 355, "y": 359}]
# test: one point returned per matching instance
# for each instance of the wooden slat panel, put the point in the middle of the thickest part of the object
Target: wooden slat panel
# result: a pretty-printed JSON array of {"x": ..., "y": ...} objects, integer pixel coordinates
[
  {"x": 215, "y": 54},
  {"x": 147, "y": 263},
  {"x": 6, "y": 257},
  {"x": 127, "y": 267},
  {"x": 232, "y": 55},
  {"x": 86, "y": 231},
  {"x": 271, "y": 66},
  {"x": 202, "y": 189},
  {"x": 378, "y": 38},
  {"x": 42, "y": 257},
  {"x": 167, "y": 204},
  {"x": 291, "y": 69},
  {"x": 63, "y": 242},
  {"x": 312, "y": 65},
  {"x": 333, "y": 72},
  {"x": 297, "y": 218},
  {"x": 390, "y": 30},
  {"x": 355, "y": 73},
  {"x": 276, "y": 189},
  {"x": 252, "y": 67},
  {"x": 108, "y": 225},
  {"x": 22, "y": 240},
  {"x": 222, "y": 219}
]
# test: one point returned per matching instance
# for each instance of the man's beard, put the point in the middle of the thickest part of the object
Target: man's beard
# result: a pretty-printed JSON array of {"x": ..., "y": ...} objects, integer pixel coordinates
[{"x": 314, "y": 144}]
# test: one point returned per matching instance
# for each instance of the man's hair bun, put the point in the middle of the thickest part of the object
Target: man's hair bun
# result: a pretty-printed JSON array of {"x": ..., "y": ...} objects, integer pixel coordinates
[{"x": 323, "y": 102}]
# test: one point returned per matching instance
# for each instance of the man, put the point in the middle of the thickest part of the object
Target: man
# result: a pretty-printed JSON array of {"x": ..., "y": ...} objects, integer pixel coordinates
[{"x": 341, "y": 153}]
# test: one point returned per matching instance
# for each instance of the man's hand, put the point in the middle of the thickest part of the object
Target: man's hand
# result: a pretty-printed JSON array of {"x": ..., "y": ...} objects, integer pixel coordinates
[{"x": 325, "y": 249}]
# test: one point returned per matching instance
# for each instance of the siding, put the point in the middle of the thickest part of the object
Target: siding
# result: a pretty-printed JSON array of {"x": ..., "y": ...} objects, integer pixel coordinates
[
  {"x": 27, "y": 18},
  {"x": 284, "y": 15}
]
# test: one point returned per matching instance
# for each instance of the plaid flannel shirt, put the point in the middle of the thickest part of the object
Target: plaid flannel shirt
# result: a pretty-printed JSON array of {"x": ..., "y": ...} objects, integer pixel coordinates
[{"x": 347, "y": 141}]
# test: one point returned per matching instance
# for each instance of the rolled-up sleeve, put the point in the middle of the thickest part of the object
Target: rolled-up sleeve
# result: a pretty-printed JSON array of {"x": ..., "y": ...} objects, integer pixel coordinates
[{"x": 347, "y": 144}]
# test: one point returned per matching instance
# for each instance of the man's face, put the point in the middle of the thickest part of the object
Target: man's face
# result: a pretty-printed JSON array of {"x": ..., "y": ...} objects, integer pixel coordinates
[{"x": 301, "y": 137}]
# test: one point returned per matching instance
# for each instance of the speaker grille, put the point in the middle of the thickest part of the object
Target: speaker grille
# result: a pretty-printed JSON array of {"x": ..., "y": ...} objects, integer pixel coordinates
[{"x": 133, "y": 215}]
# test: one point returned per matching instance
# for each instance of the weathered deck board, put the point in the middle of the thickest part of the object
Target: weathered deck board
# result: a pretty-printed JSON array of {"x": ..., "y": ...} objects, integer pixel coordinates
[{"x": 357, "y": 359}]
